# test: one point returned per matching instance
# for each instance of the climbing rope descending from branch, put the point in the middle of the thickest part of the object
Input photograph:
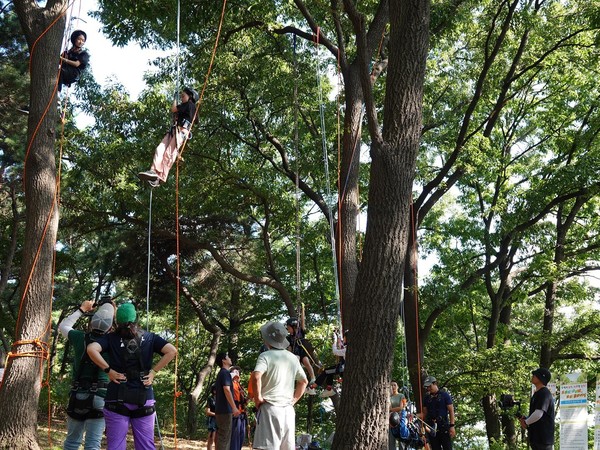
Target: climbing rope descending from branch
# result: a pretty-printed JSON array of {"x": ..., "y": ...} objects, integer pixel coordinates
[
  {"x": 328, "y": 195},
  {"x": 297, "y": 177},
  {"x": 40, "y": 346},
  {"x": 177, "y": 228},
  {"x": 148, "y": 264}
]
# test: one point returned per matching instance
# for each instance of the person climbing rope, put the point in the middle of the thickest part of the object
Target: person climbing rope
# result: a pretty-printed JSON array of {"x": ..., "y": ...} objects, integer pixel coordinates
[
  {"x": 85, "y": 419},
  {"x": 74, "y": 61},
  {"x": 167, "y": 151},
  {"x": 130, "y": 398}
]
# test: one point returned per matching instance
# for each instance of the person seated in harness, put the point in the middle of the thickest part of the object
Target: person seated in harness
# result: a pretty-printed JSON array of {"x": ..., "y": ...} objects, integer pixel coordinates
[
  {"x": 303, "y": 349},
  {"x": 404, "y": 431},
  {"x": 167, "y": 151},
  {"x": 328, "y": 374},
  {"x": 130, "y": 398},
  {"x": 74, "y": 61},
  {"x": 85, "y": 417}
]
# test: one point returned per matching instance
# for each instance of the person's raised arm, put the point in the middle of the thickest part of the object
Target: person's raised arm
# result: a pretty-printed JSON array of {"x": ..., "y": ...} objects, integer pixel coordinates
[{"x": 68, "y": 322}]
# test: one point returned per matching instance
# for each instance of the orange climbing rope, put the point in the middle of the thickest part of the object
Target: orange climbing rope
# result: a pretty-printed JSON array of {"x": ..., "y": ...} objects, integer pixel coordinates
[{"x": 40, "y": 347}]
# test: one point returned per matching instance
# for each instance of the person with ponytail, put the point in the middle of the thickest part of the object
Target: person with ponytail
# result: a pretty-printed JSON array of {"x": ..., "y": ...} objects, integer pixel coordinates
[
  {"x": 129, "y": 397},
  {"x": 74, "y": 61},
  {"x": 167, "y": 151}
]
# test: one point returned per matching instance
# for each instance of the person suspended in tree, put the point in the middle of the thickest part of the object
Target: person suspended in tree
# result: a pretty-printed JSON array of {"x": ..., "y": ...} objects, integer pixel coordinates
[
  {"x": 302, "y": 348},
  {"x": 168, "y": 149},
  {"x": 327, "y": 375},
  {"x": 74, "y": 61}
]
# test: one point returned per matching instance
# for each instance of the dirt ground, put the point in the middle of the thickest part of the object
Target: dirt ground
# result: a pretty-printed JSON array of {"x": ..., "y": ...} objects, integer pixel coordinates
[{"x": 58, "y": 433}]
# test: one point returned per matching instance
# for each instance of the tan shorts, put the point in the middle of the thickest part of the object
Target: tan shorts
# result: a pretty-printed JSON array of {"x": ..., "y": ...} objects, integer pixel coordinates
[{"x": 275, "y": 428}]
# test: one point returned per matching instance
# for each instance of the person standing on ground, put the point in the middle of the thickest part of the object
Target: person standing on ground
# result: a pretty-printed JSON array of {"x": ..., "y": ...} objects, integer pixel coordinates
[
  {"x": 211, "y": 422},
  {"x": 85, "y": 419},
  {"x": 278, "y": 383},
  {"x": 225, "y": 409},
  {"x": 397, "y": 404},
  {"x": 540, "y": 422},
  {"x": 240, "y": 423},
  {"x": 130, "y": 397},
  {"x": 438, "y": 412}
]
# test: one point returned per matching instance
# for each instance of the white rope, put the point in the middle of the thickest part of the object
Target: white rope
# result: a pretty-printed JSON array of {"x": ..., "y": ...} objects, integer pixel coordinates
[
  {"x": 148, "y": 268},
  {"x": 297, "y": 168},
  {"x": 328, "y": 190},
  {"x": 178, "y": 86}
]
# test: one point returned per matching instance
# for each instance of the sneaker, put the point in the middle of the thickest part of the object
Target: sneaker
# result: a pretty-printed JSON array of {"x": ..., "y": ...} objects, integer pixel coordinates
[
  {"x": 150, "y": 175},
  {"x": 311, "y": 390},
  {"x": 154, "y": 183},
  {"x": 329, "y": 392}
]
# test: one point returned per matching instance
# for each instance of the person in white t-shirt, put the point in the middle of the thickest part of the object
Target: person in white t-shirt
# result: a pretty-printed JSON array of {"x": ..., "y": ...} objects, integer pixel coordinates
[{"x": 278, "y": 383}]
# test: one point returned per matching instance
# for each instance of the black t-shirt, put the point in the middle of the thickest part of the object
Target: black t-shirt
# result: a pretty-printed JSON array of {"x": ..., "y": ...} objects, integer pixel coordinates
[
  {"x": 542, "y": 431},
  {"x": 83, "y": 57},
  {"x": 147, "y": 344},
  {"x": 437, "y": 406},
  {"x": 185, "y": 111},
  {"x": 223, "y": 381}
]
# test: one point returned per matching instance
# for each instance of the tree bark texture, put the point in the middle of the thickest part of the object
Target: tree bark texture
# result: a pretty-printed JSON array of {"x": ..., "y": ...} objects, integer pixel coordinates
[
  {"x": 363, "y": 413},
  {"x": 349, "y": 195},
  {"x": 22, "y": 380}
]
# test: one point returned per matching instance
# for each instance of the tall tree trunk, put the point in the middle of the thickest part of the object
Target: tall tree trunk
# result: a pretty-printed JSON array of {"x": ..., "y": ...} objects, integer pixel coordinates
[
  {"x": 362, "y": 420},
  {"x": 22, "y": 380},
  {"x": 348, "y": 189},
  {"x": 509, "y": 430},
  {"x": 492, "y": 419},
  {"x": 194, "y": 397}
]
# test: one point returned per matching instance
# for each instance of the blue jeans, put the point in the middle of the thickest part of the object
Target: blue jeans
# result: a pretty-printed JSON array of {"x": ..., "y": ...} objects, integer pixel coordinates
[{"x": 93, "y": 429}]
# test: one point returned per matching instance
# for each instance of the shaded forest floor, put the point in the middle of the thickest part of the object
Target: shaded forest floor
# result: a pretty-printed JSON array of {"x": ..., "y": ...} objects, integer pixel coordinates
[{"x": 59, "y": 431}]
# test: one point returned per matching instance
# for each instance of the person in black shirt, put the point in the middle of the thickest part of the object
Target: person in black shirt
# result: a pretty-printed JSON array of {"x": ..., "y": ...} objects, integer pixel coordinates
[
  {"x": 74, "y": 61},
  {"x": 540, "y": 422},
  {"x": 438, "y": 413},
  {"x": 167, "y": 151}
]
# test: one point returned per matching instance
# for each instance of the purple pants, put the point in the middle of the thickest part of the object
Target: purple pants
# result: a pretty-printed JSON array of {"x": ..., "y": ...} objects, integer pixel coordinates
[{"x": 117, "y": 427}]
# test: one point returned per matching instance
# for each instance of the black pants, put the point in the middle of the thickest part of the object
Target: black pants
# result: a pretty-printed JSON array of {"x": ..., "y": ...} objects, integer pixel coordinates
[
  {"x": 68, "y": 75},
  {"x": 326, "y": 377},
  {"x": 441, "y": 441},
  {"x": 536, "y": 446}
]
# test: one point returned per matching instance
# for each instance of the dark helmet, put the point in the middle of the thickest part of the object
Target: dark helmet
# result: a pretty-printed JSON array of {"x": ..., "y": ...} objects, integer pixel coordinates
[
  {"x": 192, "y": 94},
  {"x": 292, "y": 322},
  {"x": 394, "y": 419},
  {"x": 75, "y": 34}
]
